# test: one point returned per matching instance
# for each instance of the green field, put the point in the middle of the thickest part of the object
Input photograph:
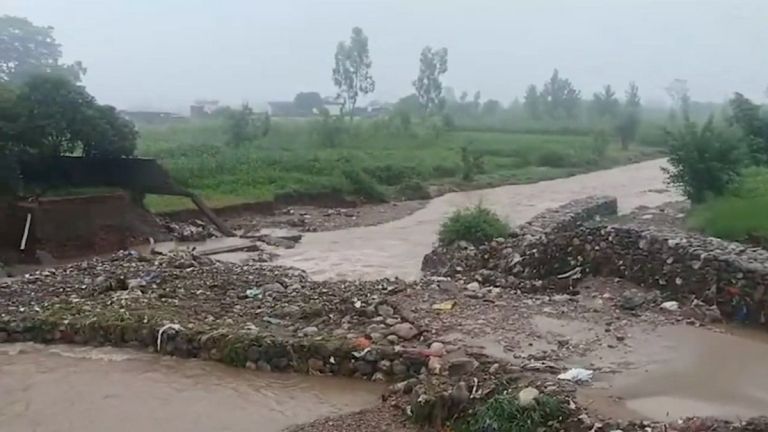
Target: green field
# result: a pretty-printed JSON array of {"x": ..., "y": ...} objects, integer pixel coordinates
[
  {"x": 299, "y": 157},
  {"x": 739, "y": 215}
]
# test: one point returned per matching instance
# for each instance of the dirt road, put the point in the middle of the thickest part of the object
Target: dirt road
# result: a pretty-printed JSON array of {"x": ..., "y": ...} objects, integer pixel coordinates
[{"x": 396, "y": 248}]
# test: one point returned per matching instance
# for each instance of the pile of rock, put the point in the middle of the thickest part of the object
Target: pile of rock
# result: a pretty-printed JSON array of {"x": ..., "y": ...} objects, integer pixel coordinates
[
  {"x": 531, "y": 252},
  {"x": 191, "y": 231}
]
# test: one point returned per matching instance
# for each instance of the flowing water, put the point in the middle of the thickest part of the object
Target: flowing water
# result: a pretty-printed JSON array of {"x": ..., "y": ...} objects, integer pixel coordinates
[
  {"x": 660, "y": 374},
  {"x": 64, "y": 388},
  {"x": 396, "y": 248}
]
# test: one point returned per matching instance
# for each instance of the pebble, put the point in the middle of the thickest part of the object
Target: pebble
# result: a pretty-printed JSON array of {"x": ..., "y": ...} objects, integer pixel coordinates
[
  {"x": 263, "y": 366},
  {"x": 391, "y": 321},
  {"x": 473, "y": 286},
  {"x": 393, "y": 339},
  {"x": 437, "y": 349},
  {"x": 527, "y": 396},
  {"x": 315, "y": 365},
  {"x": 434, "y": 365},
  {"x": 385, "y": 310},
  {"x": 404, "y": 331},
  {"x": 308, "y": 331},
  {"x": 461, "y": 366}
]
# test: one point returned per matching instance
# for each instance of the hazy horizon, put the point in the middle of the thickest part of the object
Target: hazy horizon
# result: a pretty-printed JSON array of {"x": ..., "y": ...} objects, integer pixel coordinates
[{"x": 142, "y": 54}]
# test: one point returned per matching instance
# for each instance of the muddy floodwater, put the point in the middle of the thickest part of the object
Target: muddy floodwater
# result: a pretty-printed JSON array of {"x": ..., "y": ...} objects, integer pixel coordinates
[
  {"x": 64, "y": 388},
  {"x": 682, "y": 371},
  {"x": 396, "y": 248}
]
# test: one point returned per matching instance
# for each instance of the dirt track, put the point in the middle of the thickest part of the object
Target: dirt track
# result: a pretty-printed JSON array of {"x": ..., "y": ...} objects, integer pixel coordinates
[{"x": 396, "y": 248}]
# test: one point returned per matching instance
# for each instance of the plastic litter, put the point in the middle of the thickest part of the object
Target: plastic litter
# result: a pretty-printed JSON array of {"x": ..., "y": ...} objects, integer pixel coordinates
[
  {"x": 444, "y": 306},
  {"x": 671, "y": 306},
  {"x": 254, "y": 293},
  {"x": 577, "y": 375}
]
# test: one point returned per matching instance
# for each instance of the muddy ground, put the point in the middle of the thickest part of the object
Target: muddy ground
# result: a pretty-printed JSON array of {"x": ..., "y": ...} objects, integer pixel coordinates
[{"x": 651, "y": 363}]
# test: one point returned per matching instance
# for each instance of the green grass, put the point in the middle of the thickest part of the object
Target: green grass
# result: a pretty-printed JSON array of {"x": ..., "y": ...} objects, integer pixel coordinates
[
  {"x": 741, "y": 214},
  {"x": 298, "y": 157},
  {"x": 503, "y": 413}
]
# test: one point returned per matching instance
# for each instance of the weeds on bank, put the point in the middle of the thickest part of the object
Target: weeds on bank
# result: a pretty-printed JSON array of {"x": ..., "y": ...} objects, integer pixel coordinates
[
  {"x": 475, "y": 225},
  {"x": 503, "y": 413}
]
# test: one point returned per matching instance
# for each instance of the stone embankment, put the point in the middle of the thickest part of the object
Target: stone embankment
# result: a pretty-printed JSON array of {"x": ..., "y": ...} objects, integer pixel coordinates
[{"x": 560, "y": 246}]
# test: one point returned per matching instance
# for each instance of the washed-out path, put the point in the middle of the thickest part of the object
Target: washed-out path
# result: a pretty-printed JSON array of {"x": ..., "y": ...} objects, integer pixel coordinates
[{"x": 396, "y": 248}]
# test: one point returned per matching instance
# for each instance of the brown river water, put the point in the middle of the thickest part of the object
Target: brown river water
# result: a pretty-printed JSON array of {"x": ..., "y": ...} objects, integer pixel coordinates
[
  {"x": 660, "y": 374},
  {"x": 396, "y": 248},
  {"x": 68, "y": 389}
]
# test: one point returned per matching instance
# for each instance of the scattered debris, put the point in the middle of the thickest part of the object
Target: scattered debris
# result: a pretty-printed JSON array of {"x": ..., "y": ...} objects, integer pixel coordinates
[{"x": 577, "y": 375}]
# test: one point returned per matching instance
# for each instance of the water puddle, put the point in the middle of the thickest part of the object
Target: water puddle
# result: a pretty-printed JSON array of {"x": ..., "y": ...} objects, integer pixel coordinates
[
  {"x": 64, "y": 388},
  {"x": 683, "y": 371}
]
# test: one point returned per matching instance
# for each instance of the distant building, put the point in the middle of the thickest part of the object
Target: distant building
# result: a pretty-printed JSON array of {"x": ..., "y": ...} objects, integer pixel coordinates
[
  {"x": 202, "y": 108},
  {"x": 289, "y": 109},
  {"x": 151, "y": 117}
]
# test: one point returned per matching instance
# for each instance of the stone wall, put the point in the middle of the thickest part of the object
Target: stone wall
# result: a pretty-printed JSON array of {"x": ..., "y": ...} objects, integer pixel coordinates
[
  {"x": 732, "y": 275},
  {"x": 527, "y": 252},
  {"x": 558, "y": 247}
]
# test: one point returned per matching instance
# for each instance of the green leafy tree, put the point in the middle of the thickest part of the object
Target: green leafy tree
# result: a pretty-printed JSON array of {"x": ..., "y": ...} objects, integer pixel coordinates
[
  {"x": 532, "y": 102},
  {"x": 308, "y": 101},
  {"x": 629, "y": 118},
  {"x": 55, "y": 116},
  {"x": 559, "y": 98},
  {"x": 429, "y": 88},
  {"x": 491, "y": 107},
  {"x": 605, "y": 104},
  {"x": 463, "y": 97},
  {"x": 703, "y": 160},
  {"x": 352, "y": 70},
  {"x": 745, "y": 114},
  {"x": 27, "y": 50},
  {"x": 410, "y": 104},
  {"x": 244, "y": 125}
]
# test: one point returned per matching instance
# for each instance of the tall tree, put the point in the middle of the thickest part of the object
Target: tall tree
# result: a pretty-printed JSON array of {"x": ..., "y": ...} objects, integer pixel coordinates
[
  {"x": 491, "y": 107},
  {"x": 532, "y": 102},
  {"x": 352, "y": 70},
  {"x": 308, "y": 101},
  {"x": 463, "y": 97},
  {"x": 746, "y": 115},
  {"x": 560, "y": 98},
  {"x": 432, "y": 65},
  {"x": 476, "y": 101},
  {"x": 27, "y": 49},
  {"x": 57, "y": 116},
  {"x": 678, "y": 92},
  {"x": 605, "y": 104},
  {"x": 629, "y": 117}
]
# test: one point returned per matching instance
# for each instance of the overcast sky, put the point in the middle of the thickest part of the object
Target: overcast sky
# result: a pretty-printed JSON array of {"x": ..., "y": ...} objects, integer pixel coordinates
[{"x": 165, "y": 53}]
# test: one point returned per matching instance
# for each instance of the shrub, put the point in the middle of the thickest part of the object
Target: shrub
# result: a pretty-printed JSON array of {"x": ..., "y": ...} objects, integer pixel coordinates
[
  {"x": 330, "y": 131},
  {"x": 363, "y": 186},
  {"x": 391, "y": 174},
  {"x": 470, "y": 164},
  {"x": 552, "y": 158},
  {"x": 503, "y": 413},
  {"x": 476, "y": 225},
  {"x": 704, "y": 161},
  {"x": 600, "y": 142},
  {"x": 413, "y": 190}
]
